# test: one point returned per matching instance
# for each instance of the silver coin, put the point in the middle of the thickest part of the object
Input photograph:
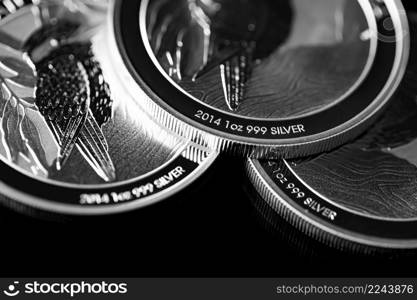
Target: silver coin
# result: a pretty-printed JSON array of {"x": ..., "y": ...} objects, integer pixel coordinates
[
  {"x": 363, "y": 193},
  {"x": 294, "y": 77},
  {"x": 72, "y": 139}
]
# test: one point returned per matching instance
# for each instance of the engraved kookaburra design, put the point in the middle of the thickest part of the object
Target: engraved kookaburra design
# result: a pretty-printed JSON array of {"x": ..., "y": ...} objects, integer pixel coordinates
[
  {"x": 192, "y": 37},
  {"x": 54, "y": 98},
  {"x": 75, "y": 100}
]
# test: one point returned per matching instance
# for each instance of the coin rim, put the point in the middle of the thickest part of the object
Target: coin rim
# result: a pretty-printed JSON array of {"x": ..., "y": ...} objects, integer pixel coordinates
[
  {"x": 62, "y": 198},
  {"x": 34, "y": 193},
  {"x": 318, "y": 226},
  {"x": 373, "y": 43},
  {"x": 186, "y": 125}
]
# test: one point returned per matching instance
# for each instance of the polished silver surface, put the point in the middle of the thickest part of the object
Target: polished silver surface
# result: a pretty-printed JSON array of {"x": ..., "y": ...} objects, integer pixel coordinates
[
  {"x": 66, "y": 116},
  {"x": 361, "y": 196},
  {"x": 272, "y": 59},
  {"x": 266, "y": 81},
  {"x": 375, "y": 176},
  {"x": 373, "y": 179}
]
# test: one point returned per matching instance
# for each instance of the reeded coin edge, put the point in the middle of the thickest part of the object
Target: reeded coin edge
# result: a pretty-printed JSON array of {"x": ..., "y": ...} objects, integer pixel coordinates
[
  {"x": 315, "y": 227},
  {"x": 257, "y": 148}
]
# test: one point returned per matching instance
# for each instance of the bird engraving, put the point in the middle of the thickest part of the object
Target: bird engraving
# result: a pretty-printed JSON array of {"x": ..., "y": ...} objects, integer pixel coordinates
[
  {"x": 75, "y": 100},
  {"x": 54, "y": 95},
  {"x": 192, "y": 37}
]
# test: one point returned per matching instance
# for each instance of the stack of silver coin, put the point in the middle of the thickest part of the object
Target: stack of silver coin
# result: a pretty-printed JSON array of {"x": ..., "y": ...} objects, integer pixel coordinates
[{"x": 109, "y": 106}]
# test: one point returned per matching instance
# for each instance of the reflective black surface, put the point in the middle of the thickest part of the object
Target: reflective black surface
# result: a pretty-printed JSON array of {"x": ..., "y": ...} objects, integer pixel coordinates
[{"x": 215, "y": 228}]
